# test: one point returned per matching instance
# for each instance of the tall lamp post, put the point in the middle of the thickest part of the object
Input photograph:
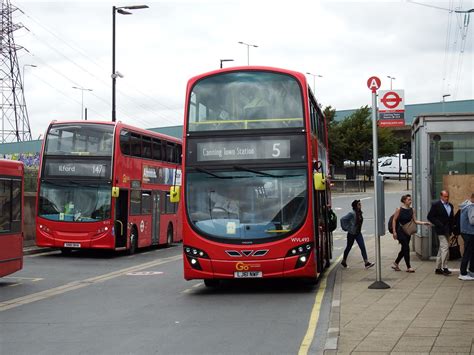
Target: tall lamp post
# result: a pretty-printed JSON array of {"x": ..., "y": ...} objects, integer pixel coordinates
[
  {"x": 248, "y": 50},
  {"x": 314, "y": 79},
  {"x": 82, "y": 98},
  {"x": 123, "y": 11},
  {"x": 225, "y": 60},
  {"x": 444, "y": 97},
  {"x": 27, "y": 65},
  {"x": 391, "y": 79}
]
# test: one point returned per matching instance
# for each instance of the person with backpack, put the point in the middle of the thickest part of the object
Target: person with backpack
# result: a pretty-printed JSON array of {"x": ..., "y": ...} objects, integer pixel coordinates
[
  {"x": 467, "y": 232},
  {"x": 352, "y": 224},
  {"x": 403, "y": 215}
]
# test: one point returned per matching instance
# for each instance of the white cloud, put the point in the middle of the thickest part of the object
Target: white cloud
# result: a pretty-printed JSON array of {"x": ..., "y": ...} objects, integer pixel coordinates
[{"x": 160, "y": 48}]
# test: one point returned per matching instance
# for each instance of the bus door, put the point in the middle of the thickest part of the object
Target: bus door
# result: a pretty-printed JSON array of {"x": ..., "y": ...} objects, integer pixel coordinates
[
  {"x": 121, "y": 219},
  {"x": 156, "y": 214},
  {"x": 323, "y": 228}
]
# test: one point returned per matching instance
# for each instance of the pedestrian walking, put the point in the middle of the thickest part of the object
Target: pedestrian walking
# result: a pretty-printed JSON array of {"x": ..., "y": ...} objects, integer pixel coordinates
[
  {"x": 352, "y": 224},
  {"x": 402, "y": 216},
  {"x": 442, "y": 216},
  {"x": 467, "y": 233}
]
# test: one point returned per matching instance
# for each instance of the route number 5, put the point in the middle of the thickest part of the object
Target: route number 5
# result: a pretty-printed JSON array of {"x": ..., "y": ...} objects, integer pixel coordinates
[{"x": 276, "y": 150}]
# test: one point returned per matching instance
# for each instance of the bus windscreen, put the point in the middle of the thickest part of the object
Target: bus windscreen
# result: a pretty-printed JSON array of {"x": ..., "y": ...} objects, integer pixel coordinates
[{"x": 245, "y": 100}]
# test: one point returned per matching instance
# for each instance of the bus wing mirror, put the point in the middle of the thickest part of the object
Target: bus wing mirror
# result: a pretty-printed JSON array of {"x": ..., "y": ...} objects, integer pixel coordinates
[
  {"x": 319, "y": 181},
  {"x": 174, "y": 194},
  {"x": 115, "y": 191}
]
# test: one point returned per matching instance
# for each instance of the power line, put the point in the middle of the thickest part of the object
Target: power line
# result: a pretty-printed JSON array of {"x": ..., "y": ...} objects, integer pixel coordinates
[{"x": 84, "y": 54}]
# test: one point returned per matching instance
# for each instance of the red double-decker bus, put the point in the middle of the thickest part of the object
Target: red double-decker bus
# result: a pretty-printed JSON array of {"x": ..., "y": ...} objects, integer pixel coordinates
[
  {"x": 255, "y": 199},
  {"x": 106, "y": 185},
  {"x": 11, "y": 216}
]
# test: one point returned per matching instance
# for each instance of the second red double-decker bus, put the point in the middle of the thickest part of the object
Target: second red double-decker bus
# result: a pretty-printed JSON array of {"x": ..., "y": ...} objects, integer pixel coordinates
[
  {"x": 106, "y": 185},
  {"x": 11, "y": 216},
  {"x": 255, "y": 150}
]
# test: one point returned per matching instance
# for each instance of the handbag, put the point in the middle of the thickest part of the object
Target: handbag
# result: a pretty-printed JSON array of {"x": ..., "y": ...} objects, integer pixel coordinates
[
  {"x": 409, "y": 228},
  {"x": 454, "y": 249}
]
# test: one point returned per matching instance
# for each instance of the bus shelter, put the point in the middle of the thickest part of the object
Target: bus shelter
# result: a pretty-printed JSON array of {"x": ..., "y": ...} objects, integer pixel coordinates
[{"x": 443, "y": 159}]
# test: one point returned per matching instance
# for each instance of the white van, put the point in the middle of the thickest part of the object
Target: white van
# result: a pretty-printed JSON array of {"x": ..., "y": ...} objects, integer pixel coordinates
[{"x": 395, "y": 165}]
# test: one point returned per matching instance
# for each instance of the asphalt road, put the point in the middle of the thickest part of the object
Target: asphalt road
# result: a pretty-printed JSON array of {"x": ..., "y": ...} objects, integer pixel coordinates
[{"x": 101, "y": 303}]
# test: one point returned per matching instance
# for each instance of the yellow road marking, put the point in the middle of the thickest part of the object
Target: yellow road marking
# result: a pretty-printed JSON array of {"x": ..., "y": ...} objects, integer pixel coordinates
[
  {"x": 313, "y": 319},
  {"x": 74, "y": 285}
]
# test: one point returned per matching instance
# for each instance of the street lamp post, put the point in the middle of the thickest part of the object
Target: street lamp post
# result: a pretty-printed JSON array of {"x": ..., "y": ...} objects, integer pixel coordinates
[
  {"x": 391, "y": 79},
  {"x": 248, "y": 50},
  {"x": 225, "y": 60},
  {"x": 444, "y": 97},
  {"x": 82, "y": 98},
  {"x": 26, "y": 65},
  {"x": 314, "y": 79},
  {"x": 121, "y": 10}
]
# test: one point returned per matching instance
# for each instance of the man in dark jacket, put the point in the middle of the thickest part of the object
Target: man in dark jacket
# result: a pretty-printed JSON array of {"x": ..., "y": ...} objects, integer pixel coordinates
[{"x": 442, "y": 216}]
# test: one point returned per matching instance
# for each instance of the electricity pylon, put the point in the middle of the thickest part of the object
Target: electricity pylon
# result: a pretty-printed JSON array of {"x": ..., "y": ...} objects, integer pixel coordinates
[{"x": 15, "y": 126}]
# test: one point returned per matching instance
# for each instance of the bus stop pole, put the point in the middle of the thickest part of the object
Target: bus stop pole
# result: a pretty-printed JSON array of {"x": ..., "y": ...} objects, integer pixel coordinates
[{"x": 378, "y": 284}]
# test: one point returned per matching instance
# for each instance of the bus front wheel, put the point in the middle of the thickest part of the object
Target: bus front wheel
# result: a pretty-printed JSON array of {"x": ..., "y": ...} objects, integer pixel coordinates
[{"x": 211, "y": 282}]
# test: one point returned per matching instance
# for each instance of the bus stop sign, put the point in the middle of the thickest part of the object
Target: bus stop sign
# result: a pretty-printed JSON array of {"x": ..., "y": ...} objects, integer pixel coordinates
[{"x": 374, "y": 83}]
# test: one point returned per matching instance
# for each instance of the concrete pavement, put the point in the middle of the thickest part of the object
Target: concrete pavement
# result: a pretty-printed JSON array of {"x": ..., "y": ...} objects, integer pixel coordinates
[{"x": 422, "y": 313}]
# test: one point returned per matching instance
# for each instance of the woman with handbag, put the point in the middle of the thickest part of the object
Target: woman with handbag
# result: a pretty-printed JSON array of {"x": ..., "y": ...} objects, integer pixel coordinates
[{"x": 404, "y": 225}]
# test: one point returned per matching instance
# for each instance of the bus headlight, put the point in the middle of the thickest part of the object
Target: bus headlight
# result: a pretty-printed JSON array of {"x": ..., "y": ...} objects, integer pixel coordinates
[
  {"x": 302, "y": 252},
  {"x": 193, "y": 255}
]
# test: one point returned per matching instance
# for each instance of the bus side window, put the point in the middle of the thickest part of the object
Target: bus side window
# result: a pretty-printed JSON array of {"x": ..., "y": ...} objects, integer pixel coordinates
[
  {"x": 147, "y": 153},
  {"x": 16, "y": 206},
  {"x": 135, "y": 202},
  {"x": 157, "y": 149},
  {"x": 136, "y": 145},
  {"x": 125, "y": 142}
]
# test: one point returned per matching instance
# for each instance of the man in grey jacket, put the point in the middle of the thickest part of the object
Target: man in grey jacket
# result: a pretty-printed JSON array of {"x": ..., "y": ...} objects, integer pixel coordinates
[{"x": 467, "y": 232}]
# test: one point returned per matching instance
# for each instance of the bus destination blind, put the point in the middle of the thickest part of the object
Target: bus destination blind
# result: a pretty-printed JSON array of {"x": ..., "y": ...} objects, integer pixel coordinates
[
  {"x": 243, "y": 150},
  {"x": 77, "y": 169}
]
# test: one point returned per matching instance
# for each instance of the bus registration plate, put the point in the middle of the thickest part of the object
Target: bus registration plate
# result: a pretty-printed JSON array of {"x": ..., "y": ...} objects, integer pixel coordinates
[
  {"x": 247, "y": 274},
  {"x": 72, "y": 245}
]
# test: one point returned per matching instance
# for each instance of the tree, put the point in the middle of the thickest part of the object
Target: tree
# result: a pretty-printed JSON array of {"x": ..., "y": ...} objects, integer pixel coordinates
[{"x": 351, "y": 138}]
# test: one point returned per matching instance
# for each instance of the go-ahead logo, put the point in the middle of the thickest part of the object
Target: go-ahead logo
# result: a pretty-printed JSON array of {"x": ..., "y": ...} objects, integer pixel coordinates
[{"x": 240, "y": 266}]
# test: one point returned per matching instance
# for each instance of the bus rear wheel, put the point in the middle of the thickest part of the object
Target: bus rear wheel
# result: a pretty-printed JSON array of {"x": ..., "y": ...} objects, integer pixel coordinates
[
  {"x": 133, "y": 242},
  {"x": 169, "y": 236}
]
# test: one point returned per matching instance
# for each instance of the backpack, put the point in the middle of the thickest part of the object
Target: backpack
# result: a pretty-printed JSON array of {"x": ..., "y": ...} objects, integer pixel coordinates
[
  {"x": 390, "y": 224},
  {"x": 332, "y": 221},
  {"x": 346, "y": 222},
  {"x": 457, "y": 223}
]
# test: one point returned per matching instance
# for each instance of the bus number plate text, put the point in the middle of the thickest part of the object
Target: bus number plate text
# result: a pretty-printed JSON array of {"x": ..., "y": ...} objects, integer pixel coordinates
[
  {"x": 72, "y": 245},
  {"x": 247, "y": 274}
]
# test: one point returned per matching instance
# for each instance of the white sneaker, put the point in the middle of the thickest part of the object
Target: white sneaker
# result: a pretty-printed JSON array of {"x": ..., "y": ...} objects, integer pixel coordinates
[
  {"x": 466, "y": 278},
  {"x": 470, "y": 273}
]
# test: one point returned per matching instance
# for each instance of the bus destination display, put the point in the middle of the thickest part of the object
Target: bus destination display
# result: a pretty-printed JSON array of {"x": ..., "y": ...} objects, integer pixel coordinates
[
  {"x": 243, "y": 150},
  {"x": 82, "y": 169}
]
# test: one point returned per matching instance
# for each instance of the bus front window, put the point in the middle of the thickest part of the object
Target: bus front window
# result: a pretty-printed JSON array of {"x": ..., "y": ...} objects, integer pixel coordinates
[
  {"x": 85, "y": 203},
  {"x": 244, "y": 101},
  {"x": 79, "y": 139},
  {"x": 247, "y": 205}
]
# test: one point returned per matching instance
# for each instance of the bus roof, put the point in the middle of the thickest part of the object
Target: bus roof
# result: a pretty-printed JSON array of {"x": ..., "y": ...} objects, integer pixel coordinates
[
  {"x": 299, "y": 75},
  {"x": 8, "y": 167},
  {"x": 120, "y": 124}
]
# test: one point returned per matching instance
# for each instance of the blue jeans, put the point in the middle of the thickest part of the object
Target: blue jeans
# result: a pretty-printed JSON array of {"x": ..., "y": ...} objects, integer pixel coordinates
[
  {"x": 468, "y": 256},
  {"x": 360, "y": 241}
]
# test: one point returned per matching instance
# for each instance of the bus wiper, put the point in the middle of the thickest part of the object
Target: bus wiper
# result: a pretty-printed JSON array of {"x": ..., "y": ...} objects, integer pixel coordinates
[
  {"x": 238, "y": 167},
  {"x": 205, "y": 171}
]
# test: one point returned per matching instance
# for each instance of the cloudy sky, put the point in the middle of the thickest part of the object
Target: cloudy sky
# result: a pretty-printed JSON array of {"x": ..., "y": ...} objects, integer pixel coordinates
[{"x": 426, "y": 47}]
